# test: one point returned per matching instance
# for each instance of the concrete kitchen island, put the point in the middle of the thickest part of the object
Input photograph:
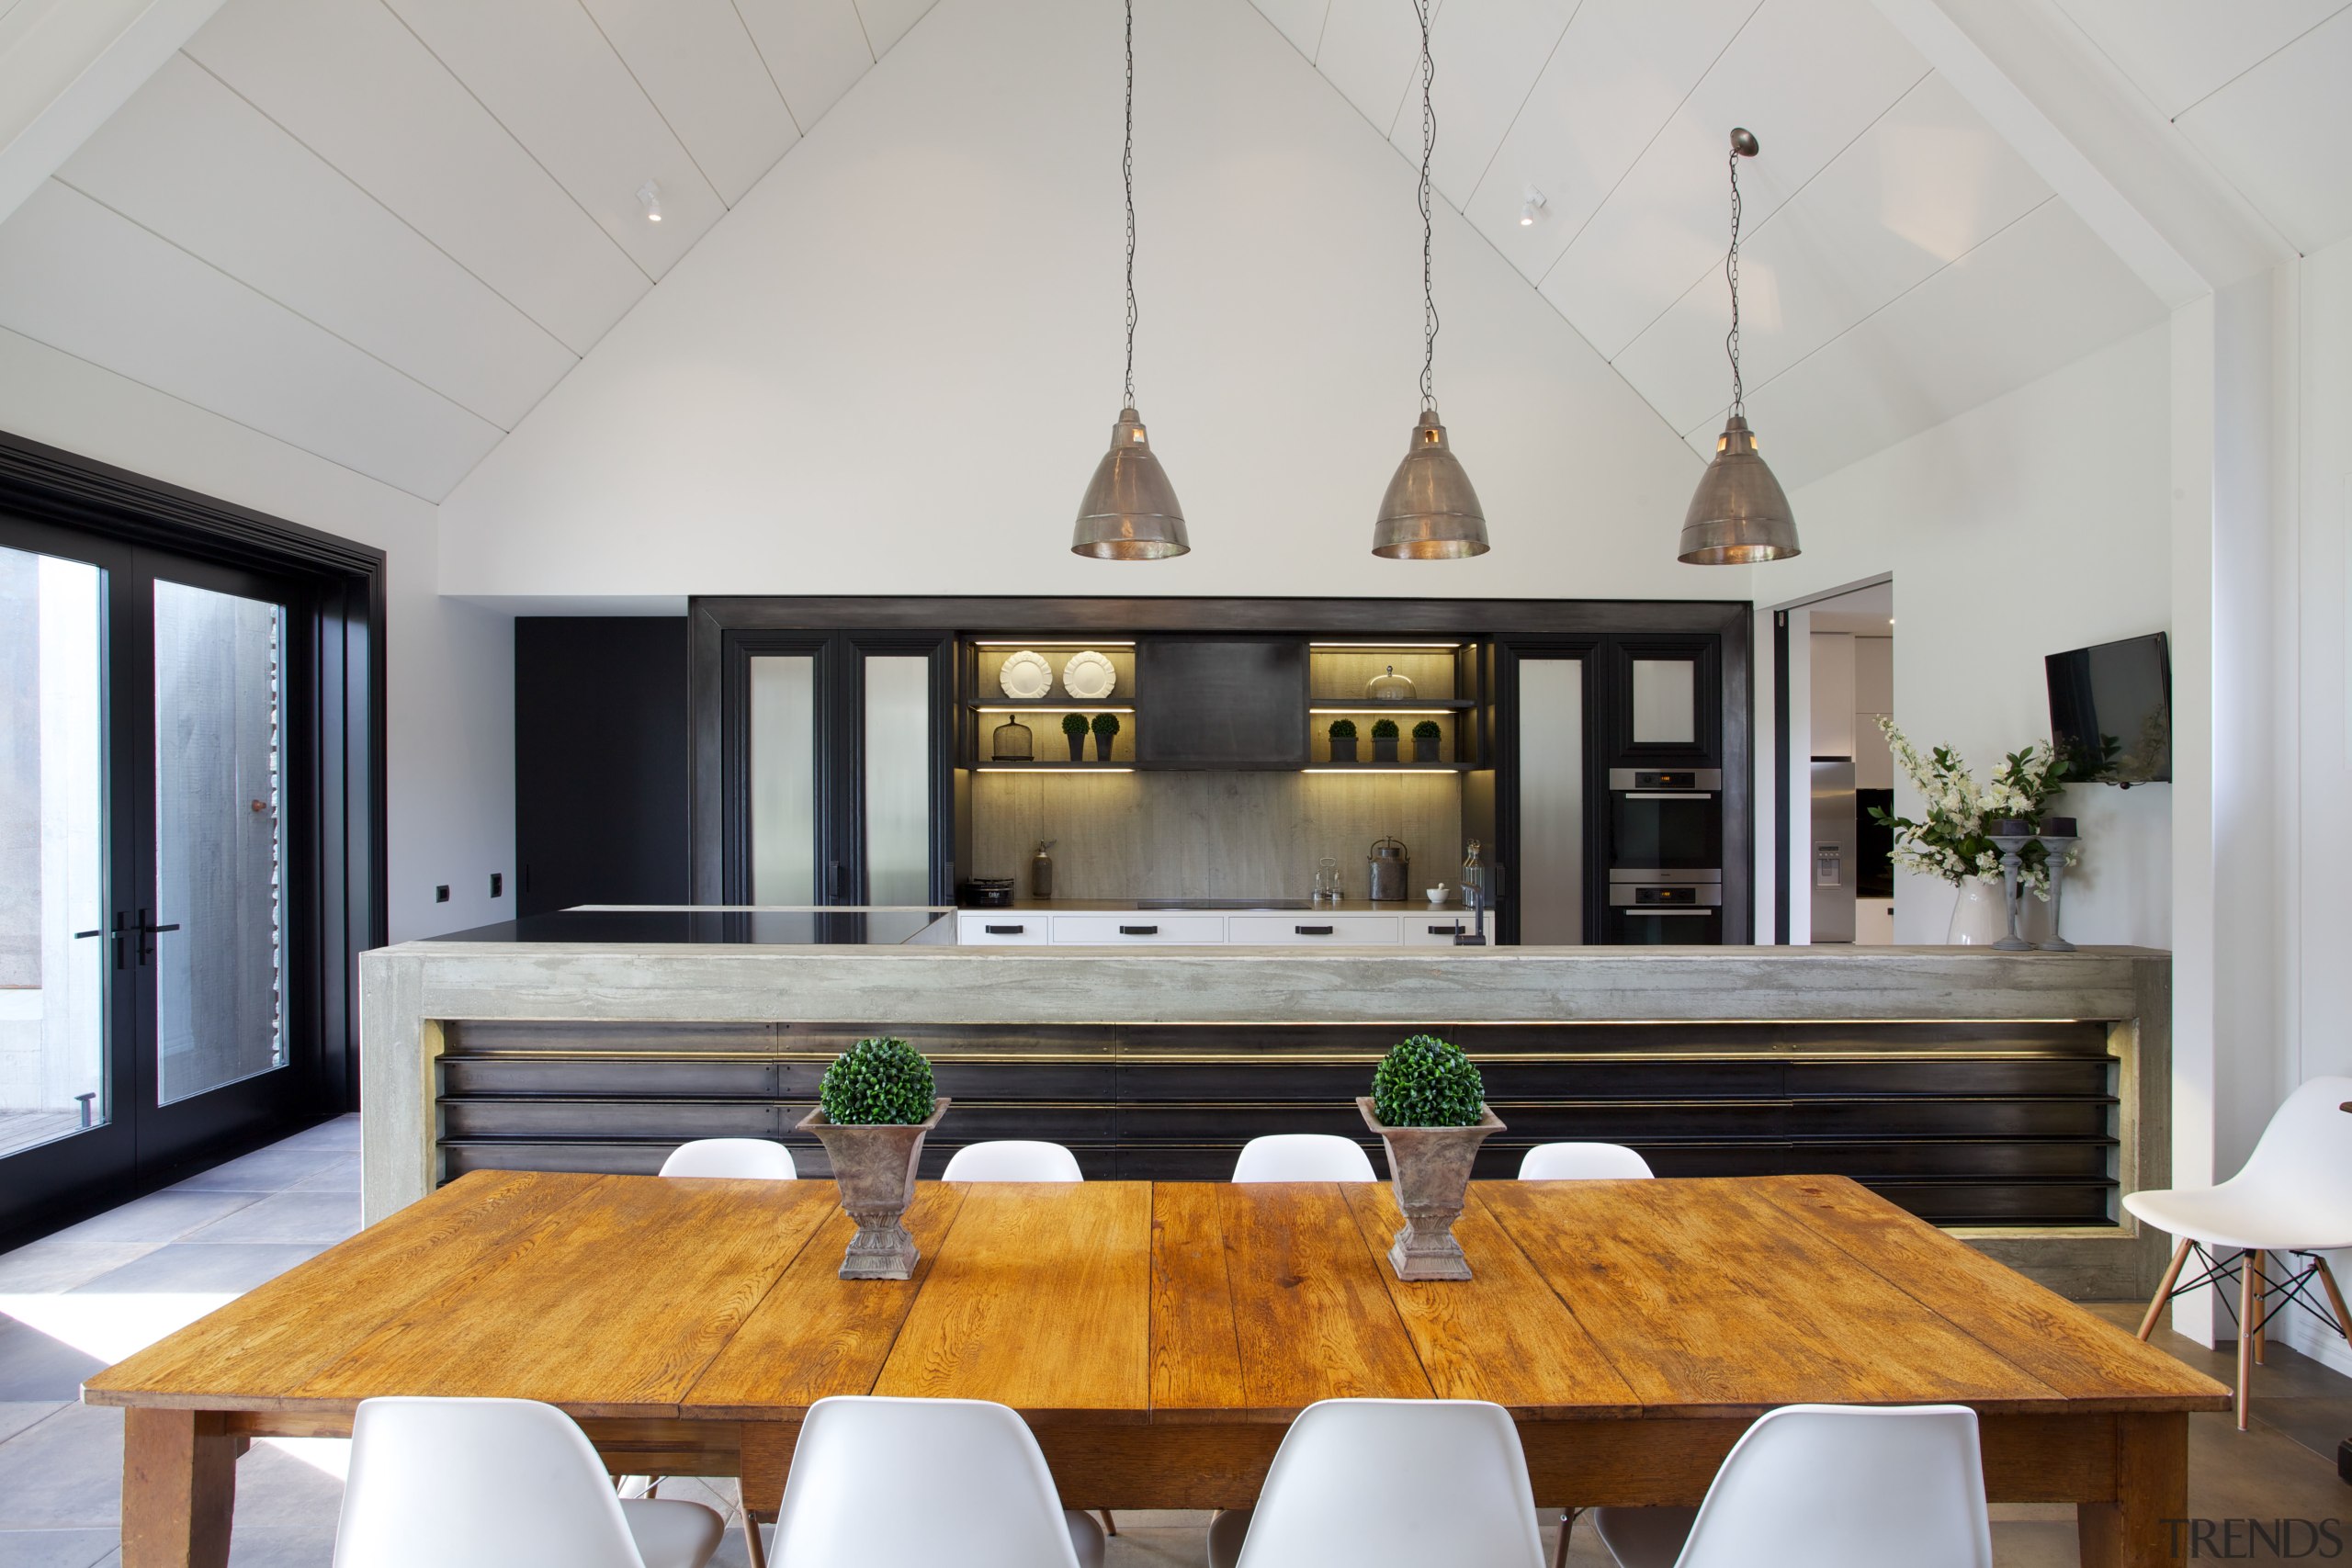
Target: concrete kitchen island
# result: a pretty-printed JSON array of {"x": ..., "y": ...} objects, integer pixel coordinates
[{"x": 2011, "y": 1097}]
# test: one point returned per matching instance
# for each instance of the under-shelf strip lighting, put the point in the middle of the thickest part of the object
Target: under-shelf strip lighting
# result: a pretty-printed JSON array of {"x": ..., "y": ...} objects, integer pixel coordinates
[
  {"x": 1424, "y": 768},
  {"x": 1385, "y": 645},
  {"x": 1059, "y": 707},
  {"x": 1047, "y": 768},
  {"x": 1381, "y": 708},
  {"x": 1032, "y": 642}
]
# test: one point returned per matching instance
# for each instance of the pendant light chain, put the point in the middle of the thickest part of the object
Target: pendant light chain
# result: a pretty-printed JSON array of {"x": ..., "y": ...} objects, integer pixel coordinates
[
  {"x": 1428, "y": 146},
  {"x": 1127, "y": 174},
  {"x": 1731, "y": 274}
]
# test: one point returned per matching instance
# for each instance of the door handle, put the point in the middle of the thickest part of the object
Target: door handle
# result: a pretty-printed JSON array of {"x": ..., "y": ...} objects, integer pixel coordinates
[
  {"x": 1005, "y": 930},
  {"x": 1312, "y": 930},
  {"x": 835, "y": 875},
  {"x": 102, "y": 932},
  {"x": 146, "y": 931},
  {"x": 1138, "y": 931},
  {"x": 1446, "y": 930}
]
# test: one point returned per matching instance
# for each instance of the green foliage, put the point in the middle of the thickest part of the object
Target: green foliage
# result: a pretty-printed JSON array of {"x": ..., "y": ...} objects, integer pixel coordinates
[
  {"x": 1426, "y": 730},
  {"x": 878, "y": 1083},
  {"x": 1106, "y": 725},
  {"x": 1343, "y": 729},
  {"x": 1384, "y": 729},
  {"x": 1073, "y": 724},
  {"x": 1427, "y": 1082}
]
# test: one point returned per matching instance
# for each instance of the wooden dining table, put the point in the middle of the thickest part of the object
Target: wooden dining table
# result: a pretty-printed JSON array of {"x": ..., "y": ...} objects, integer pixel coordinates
[{"x": 1158, "y": 1337}]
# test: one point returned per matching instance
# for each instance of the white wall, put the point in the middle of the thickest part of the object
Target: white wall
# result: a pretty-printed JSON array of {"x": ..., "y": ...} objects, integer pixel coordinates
[
  {"x": 894, "y": 365},
  {"x": 451, "y": 677},
  {"x": 2033, "y": 523}
]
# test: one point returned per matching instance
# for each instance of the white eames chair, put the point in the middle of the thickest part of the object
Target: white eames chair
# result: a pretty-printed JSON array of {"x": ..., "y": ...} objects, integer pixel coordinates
[
  {"x": 2294, "y": 1196},
  {"x": 756, "y": 1158},
  {"x": 1332, "y": 1495},
  {"x": 491, "y": 1482},
  {"x": 919, "y": 1483},
  {"x": 1012, "y": 1160},
  {"x": 1583, "y": 1162},
  {"x": 1303, "y": 1156},
  {"x": 1827, "y": 1486}
]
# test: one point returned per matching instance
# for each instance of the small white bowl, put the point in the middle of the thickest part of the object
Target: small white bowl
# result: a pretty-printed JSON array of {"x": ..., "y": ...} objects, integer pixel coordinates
[{"x": 1436, "y": 896}]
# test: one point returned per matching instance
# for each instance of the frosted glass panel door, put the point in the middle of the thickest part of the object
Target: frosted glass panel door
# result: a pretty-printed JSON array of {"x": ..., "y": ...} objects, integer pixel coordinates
[
  {"x": 784, "y": 779},
  {"x": 1551, "y": 802},
  {"x": 54, "y": 936},
  {"x": 219, "y": 926},
  {"x": 1666, "y": 701},
  {"x": 898, "y": 779}
]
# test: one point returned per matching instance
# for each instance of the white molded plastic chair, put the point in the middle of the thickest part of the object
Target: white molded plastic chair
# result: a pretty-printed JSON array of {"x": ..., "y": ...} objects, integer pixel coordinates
[
  {"x": 1583, "y": 1162},
  {"x": 1303, "y": 1156},
  {"x": 2294, "y": 1196},
  {"x": 1332, "y": 1494},
  {"x": 753, "y": 1158},
  {"x": 1827, "y": 1486},
  {"x": 491, "y": 1482},
  {"x": 974, "y": 1491},
  {"x": 1012, "y": 1160}
]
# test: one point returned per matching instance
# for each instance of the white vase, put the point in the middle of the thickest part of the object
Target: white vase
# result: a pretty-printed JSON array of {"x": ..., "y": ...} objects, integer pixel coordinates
[{"x": 1980, "y": 915}]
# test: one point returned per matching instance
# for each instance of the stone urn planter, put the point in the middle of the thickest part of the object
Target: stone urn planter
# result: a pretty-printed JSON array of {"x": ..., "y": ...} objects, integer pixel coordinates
[
  {"x": 1428, "y": 1170},
  {"x": 874, "y": 1167}
]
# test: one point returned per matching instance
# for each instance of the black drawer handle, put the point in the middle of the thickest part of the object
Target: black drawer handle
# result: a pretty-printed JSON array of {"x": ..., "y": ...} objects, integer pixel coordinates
[
  {"x": 1454, "y": 930},
  {"x": 1138, "y": 931},
  {"x": 1312, "y": 930},
  {"x": 1006, "y": 931}
]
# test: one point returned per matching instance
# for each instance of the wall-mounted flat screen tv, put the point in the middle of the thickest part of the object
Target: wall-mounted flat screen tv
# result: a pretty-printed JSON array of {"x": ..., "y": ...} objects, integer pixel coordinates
[{"x": 2110, "y": 710}]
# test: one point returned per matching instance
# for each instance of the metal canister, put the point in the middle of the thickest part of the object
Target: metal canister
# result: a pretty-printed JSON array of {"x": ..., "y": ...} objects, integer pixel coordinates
[{"x": 1391, "y": 870}]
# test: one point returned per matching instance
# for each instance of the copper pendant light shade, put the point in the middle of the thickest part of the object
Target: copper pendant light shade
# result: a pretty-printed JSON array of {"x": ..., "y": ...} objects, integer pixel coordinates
[
  {"x": 1740, "y": 515},
  {"x": 1429, "y": 512},
  {"x": 1130, "y": 510}
]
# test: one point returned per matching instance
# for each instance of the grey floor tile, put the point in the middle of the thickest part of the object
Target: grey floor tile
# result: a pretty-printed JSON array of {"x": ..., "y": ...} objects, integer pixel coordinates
[
  {"x": 159, "y": 1216},
  {"x": 36, "y": 1369},
  {"x": 58, "y": 1549},
  {"x": 340, "y": 1176},
  {"x": 185, "y": 1266},
  {"x": 64, "y": 1473},
  {"x": 278, "y": 1547},
  {"x": 272, "y": 1169},
  {"x": 17, "y": 1414},
  {"x": 342, "y": 1133},
  {"x": 277, "y": 1491},
  {"x": 38, "y": 1267},
  {"x": 319, "y": 1218}
]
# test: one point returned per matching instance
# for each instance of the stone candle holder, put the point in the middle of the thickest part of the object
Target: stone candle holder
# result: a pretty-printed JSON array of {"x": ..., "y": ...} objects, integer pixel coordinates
[
  {"x": 2010, "y": 836},
  {"x": 2057, "y": 837}
]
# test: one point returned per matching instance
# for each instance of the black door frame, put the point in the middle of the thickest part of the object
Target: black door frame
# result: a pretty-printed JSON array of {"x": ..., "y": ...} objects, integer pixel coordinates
[{"x": 336, "y": 870}]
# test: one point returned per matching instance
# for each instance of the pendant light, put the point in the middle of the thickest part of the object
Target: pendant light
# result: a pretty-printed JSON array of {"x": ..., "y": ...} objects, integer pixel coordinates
[
  {"x": 1130, "y": 511},
  {"x": 1739, "y": 514},
  {"x": 1429, "y": 512}
]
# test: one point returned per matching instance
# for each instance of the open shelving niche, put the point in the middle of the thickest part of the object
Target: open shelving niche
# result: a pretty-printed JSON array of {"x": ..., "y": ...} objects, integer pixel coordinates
[{"x": 987, "y": 708}]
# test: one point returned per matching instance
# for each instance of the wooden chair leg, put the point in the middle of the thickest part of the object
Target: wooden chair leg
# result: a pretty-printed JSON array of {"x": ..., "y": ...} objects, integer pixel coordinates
[
  {"x": 2164, "y": 1291},
  {"x": 755, "y": 1549},
  {"x": 1560, "y": 1547},
  {"x": 2262, "y": 1314},
  {"x": 1110, "y": 1525},
  {"x": 2334, "y": 1296},
  {"x": 2249, "y": 1303}
]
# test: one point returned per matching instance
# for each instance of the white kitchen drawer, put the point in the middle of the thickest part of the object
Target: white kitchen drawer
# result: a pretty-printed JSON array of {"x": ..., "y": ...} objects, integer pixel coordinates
[
  {"x": 1116, "y": 930},
  {"x": 1435, "y": 928},
  {"x": 1000, "y": 928},
  {"x": 1308, "y": 928}
]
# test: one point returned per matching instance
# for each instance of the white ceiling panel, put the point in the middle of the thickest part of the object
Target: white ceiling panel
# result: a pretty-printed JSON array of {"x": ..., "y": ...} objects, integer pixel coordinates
[
  {"x": 815, "y": 49},
  {"x": 1926, "y": 183},
  {"x": 197, "y": 165},
  {"x": 1618, "y": 75},
  {"x": 1808, "y": 77},
  {"x": 92, "y": 284},
  {"x": 1301, "y": 21},
  {"x": 1371, "y": 52},
  {"x": 2039, "y": 295},
  {"x": 2278, "y": 134},
  {"x": 361, "y": 91},
  {"x": 543, "y": 68},
  {"x": 1488, "y": 53},
  {"x": 2179, "y": 51},
  {"x": 697, "y": 62},
  {"x": 886, "y": 21}
]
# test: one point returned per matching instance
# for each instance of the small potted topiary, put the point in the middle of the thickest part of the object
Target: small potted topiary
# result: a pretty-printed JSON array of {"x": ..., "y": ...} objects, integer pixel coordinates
[
  {"x": 1343, "y": 740},
  {"x": 1426, "y": 735},
  {"x": 1383, "y": 740},
  {"x": 874, "y": 1107},
  {"x": 1106, "y": 726},
  {"x": 1074, "y": 726},
  {"x": 1430, "y": 1109}
]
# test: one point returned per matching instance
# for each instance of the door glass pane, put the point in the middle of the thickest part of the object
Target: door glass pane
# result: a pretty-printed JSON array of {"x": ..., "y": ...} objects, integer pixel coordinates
[
  {"x": 898, "y": 780},
  {"x": 784, "y": 779},
  {"x": 53, "y": 941},
  {"x": 219, "y": 839},
  {"x": 1551, "y": 802},
  {"x": 1666, "y": 701}
]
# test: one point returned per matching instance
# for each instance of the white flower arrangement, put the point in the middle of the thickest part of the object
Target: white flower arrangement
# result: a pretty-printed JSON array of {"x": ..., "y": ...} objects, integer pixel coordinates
[{"x": 1951, "y": 840}]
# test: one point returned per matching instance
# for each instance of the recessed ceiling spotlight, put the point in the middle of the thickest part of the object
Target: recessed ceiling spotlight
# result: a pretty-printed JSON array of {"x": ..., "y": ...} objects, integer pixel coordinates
[
  {"x": 1531, "y": 208},
  {"x": 650, "y": 195}
]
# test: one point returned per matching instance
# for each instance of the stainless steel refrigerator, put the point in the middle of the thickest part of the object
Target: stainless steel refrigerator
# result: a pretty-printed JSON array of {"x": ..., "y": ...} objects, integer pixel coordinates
[{"x": 1836, "y": 845}]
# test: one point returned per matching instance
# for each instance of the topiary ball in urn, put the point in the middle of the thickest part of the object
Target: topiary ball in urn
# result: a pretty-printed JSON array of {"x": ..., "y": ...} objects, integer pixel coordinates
[
  {"x": 875, "y": 1106},
  {"x": 1430, "y": 1109}
]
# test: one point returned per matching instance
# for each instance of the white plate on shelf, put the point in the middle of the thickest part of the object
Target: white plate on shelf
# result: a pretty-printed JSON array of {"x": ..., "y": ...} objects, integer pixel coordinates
[
  {"x": 1025, "y": 676},
  {"x": 1090, "y": 676}
]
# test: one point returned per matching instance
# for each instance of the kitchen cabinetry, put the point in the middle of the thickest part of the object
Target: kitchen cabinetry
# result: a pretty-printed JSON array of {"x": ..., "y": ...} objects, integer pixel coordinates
[{"x": 1209, "y": 928}]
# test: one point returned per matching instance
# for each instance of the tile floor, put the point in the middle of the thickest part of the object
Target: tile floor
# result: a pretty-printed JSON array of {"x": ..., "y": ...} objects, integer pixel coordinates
[{"x": 73, "y": 1302}]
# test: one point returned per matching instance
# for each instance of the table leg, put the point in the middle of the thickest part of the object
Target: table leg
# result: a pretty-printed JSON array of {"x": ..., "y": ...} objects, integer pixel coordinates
[
  {"x": 2136, "y": 1530},
  {"x": 179, "y": 1486}
]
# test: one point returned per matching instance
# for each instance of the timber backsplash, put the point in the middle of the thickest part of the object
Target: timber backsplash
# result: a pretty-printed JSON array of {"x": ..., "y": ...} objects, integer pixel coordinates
[{"x": 1211, "y": 835}]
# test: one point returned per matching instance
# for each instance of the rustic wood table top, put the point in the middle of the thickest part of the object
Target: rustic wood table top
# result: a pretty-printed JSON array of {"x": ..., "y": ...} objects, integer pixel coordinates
[{"x": 691, "y": 1306}]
